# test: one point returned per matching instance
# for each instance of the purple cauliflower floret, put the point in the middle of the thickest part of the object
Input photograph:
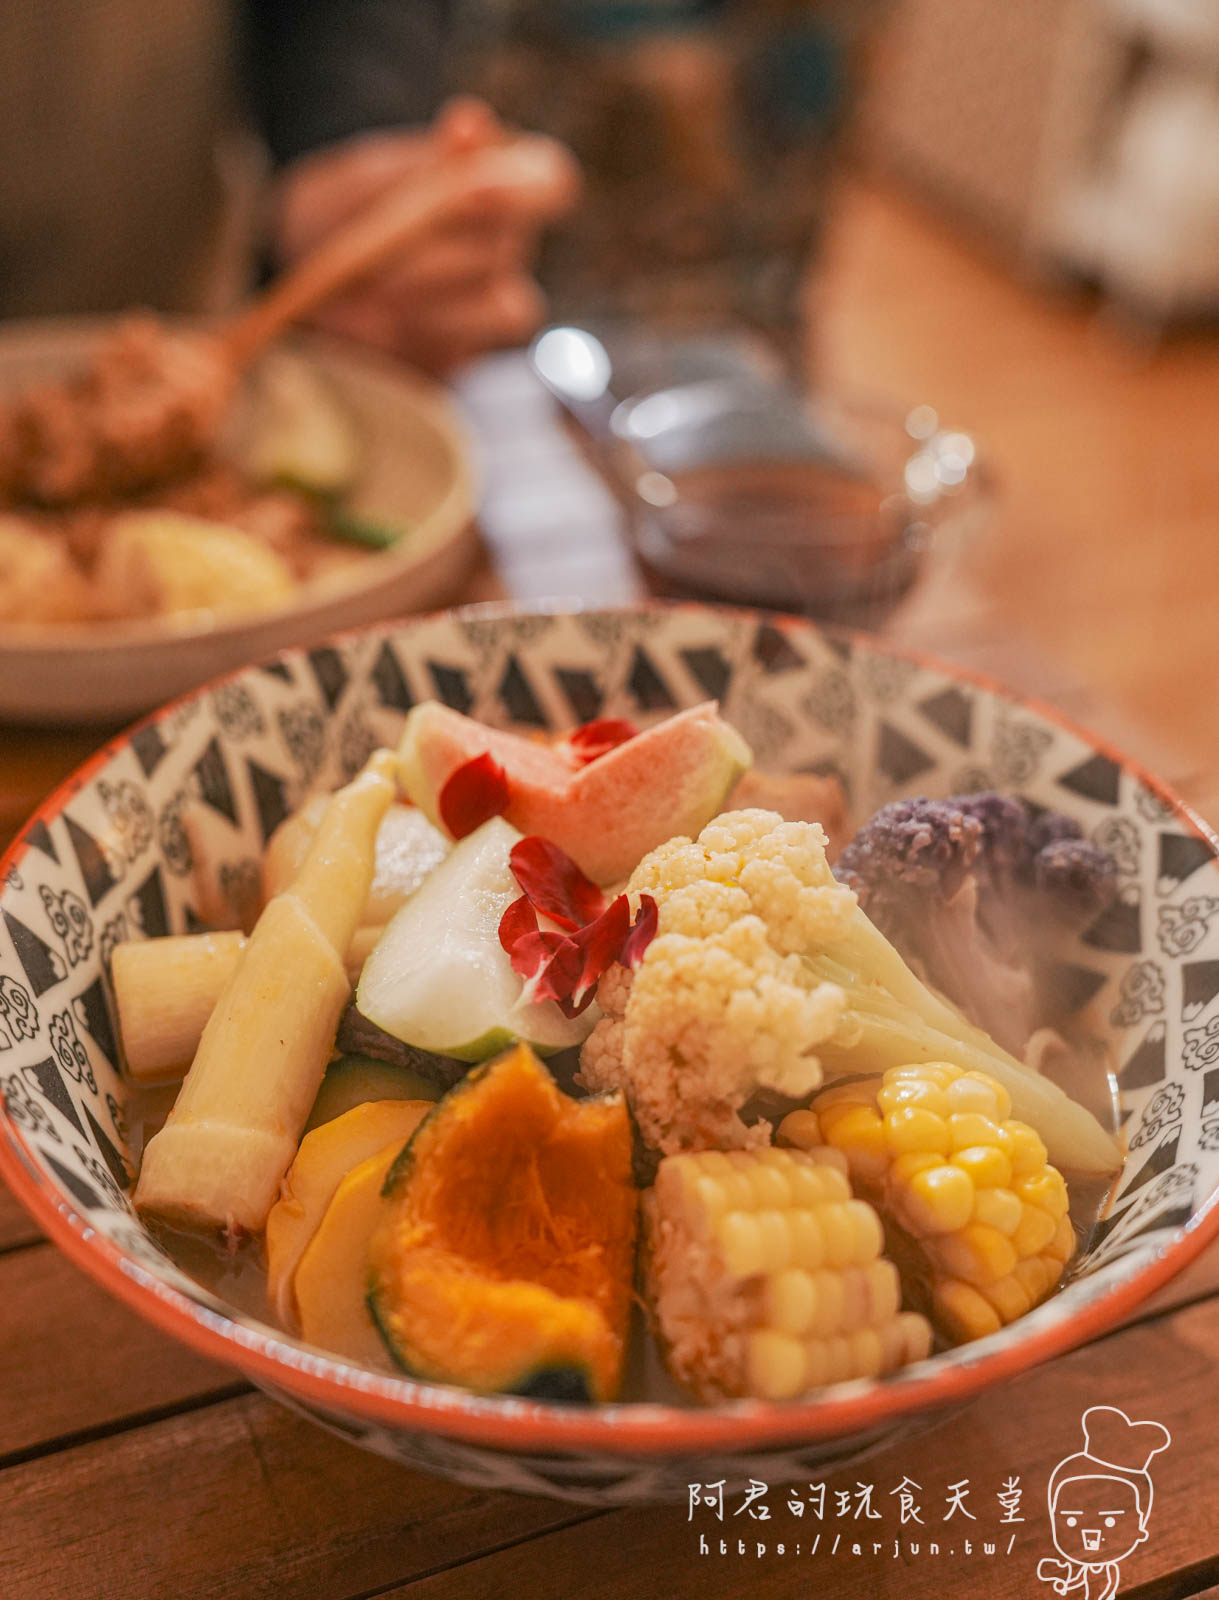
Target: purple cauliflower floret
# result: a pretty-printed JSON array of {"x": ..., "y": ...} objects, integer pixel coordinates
[{"x": 975, "y": 891}]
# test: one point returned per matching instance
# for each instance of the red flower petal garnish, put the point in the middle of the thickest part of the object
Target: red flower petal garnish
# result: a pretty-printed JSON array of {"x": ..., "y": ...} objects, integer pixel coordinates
[
  {"x": 598, "y": 945},
  {"x": 554, "y": 884},
  {"x": 517, "y": 921},
  {"x": 598, "y": 738},
  {"x": 566, "y": 967},
  {"x": 472, "y": 793},
  {"x": 642, "y": 934}
]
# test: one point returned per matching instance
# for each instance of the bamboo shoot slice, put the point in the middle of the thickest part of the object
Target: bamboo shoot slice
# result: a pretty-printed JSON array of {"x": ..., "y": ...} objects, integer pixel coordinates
[
  {"x": 166, "y": 989},
  {"x": 238, "y": 1117}
]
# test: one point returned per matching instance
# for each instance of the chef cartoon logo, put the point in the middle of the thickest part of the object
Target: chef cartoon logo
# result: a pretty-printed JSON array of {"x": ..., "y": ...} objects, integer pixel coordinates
[{"x": 1100, "y": 1500}]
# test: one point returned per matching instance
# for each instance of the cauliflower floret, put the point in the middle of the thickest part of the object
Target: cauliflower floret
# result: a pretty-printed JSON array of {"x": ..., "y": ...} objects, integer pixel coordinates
[
  {"x": 723, "y": 1003},
  {"x": 764, "y": 973}
]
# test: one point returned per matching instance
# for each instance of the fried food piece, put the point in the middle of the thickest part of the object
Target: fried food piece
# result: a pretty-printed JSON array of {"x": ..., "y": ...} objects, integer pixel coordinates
[
  {"x": 162, "y": 563},
  {"x": 145, "y": 408},
  {"x": 38, "y": 582}
]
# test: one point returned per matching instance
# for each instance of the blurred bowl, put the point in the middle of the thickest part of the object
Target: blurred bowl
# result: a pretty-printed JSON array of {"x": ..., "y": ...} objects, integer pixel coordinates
[
  {"x": 111, "y": 840},
  {"x": 416, "y": 468}
]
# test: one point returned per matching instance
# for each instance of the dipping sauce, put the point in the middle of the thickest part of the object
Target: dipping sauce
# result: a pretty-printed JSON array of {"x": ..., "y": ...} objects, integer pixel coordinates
[{"x": 794, "y": 535}]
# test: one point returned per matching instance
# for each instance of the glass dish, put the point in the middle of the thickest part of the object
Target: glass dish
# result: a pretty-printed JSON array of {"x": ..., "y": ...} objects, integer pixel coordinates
[{"x": 739, "y": 490}]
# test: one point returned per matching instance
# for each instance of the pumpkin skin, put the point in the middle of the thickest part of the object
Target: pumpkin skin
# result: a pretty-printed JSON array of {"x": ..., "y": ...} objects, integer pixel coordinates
[{"x": 504, "y": 1259}]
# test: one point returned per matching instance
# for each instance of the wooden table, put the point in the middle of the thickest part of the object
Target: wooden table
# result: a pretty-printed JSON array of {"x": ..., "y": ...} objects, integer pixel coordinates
[{"x": 130, "y": 1467}]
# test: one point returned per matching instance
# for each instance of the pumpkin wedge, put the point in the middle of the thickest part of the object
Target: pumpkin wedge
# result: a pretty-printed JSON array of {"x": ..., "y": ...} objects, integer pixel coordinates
[
  {"x": 330, "y": 1284},
  {"x": 505, "y": 1254},
  {"x": 324, "y": 1159}
]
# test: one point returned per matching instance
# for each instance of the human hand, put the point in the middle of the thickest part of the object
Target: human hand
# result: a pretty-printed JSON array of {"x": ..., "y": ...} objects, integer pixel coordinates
[{"x": 466, "y": 286}]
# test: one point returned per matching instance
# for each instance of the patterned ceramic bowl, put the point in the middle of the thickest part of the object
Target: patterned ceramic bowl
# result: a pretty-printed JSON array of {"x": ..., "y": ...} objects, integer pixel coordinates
[{"x": 107, "y": 859}]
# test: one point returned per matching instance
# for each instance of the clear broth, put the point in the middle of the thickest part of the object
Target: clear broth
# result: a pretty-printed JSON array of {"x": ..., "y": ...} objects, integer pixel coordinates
[{"x": 237, "y": 1274}]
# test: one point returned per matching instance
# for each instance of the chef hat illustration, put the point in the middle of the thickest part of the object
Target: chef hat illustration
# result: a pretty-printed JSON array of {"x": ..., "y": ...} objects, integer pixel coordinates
[{"x": 1114, "y": 1447}]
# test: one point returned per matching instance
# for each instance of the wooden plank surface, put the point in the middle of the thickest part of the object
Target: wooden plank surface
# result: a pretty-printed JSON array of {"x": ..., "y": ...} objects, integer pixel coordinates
[
  {"x": 238, "y": 1501},
  {"x": 46, "y": 1306},
  {"x": 1021, "y": 1431},
  {"x": 16, "y": 1226},
  {"x": 291, "y": 1511}
]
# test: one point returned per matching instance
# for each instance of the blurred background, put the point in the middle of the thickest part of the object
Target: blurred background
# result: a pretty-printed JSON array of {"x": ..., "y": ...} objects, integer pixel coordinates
[{"x": 897, "y": 312}]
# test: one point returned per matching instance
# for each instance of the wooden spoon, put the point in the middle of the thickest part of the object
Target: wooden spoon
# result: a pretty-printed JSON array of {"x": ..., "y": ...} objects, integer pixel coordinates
[
  {"x": 388, "y": 226},
  {"x": 152, "y": 399}
]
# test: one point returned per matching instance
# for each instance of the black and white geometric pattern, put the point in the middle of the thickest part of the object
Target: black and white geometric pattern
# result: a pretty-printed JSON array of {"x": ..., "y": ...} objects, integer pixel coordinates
[{"x": 200, "y": 788}]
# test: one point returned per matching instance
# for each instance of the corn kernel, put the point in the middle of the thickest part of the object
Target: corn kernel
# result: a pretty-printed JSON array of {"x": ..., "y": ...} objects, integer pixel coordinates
[
  {"x": 906, "y": 1339},
  {"x": 941, "y": 1073},
  {"x": 884, "y": 1292},
  {"x": 839, "y": 1235},
  {"x": 829, "y": 1303},
  {"x": 775, "y": 1237},
  {"x": 905, "y": 1167},
  {"x": 1042, "y": 1189},
  {"x": 998, "y": 1209},
  {"x": 856, "y": 1300},
  {"x": 837, "y": 1359},
  {"x": 967, "y": 1128},
  {"x": 860, "y": 1134},
  {"x": 806, "y": 1185},
  {"x": 1008, "y": 1296},
  {"x": 740, "y": 1244},
  {"x": 1028, "y": 1152},
  {"x": 801, "y": 1129},
  {"x": 1034, "y": 1232},
  {"x": 835, "y": 1184},
  {"x": 708, "y": 1164},
  {"x": 1036, "y": 1276},
  {"x": 1062, "y": 1246},
  {"x": 770, "y": 1186},
  {"x": 737, "y": 1190},
  {"x": 911, "y": 1129},
  {"x": 916, "y": 1333},
  {"x": 790, "y": 1301},
  {"x": 869, "y": 1236},
  {"x": 806, "y": 1240},
  {"x": 772, "y": 1156},
  {"x": 977, "y": 1254},
  {"x": 938, "y": 1199},
  {"x": 709, "y": 1201},
  {"x": 827, "y": 1158},
  {"x": 962, "y": 1311},
  {"x": 913, "y": 1092},
  {"x": 816, "y": 1367},
  {"x": 986, "y": 1166},
  {"x": 867, "y": 1354},
  {"x": 774, "y": 1365},
  {"x": 985, "y": 1097}
]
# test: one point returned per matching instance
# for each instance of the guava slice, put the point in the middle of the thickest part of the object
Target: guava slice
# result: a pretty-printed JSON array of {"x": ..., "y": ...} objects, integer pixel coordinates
[
  {"x": 670, "y": 779},
  {"x": 438, "y": 977}
]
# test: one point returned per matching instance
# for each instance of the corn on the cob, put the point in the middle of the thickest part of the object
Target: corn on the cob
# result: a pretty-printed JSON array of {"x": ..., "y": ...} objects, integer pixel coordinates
[
  {"x": 764, "y": 1276},
  {"x": 976, "y": 1218}
]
